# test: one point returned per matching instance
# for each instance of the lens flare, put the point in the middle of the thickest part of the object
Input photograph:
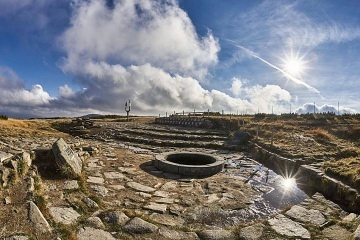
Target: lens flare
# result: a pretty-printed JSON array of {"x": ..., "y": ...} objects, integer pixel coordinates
[{"x": 289, "y": 183}]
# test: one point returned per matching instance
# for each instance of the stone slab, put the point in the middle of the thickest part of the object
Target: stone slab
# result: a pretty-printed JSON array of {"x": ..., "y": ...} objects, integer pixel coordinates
[
  {"x": 167, "y": 220},
  {"x": 177, "y": 235},
  {"x": 96, "y": 180},
  {"x": 304, "y": 215},
  {"x": 114, "y": 175},
  {"x": 287, "y": 227},
  {"x": 139, "y": 187},
  {"x": 38, "y": 219},
  {"x": 87, "y": 233},
  {"x": 216, "y": 235},
  {"x": 64, "y": 215},
  {"x": 155, "y": 207}
]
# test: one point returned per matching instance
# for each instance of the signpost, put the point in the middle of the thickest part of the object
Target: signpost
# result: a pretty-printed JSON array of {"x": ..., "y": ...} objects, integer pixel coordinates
[{"x": 127, "y": 109}]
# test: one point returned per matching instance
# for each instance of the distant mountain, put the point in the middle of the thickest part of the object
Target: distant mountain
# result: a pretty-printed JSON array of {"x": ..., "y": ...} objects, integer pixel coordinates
[{"x": 90, "y": 115}]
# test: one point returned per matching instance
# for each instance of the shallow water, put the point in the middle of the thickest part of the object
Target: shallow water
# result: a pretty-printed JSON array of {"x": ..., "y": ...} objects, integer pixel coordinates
[{"x": 277, "y": 194}]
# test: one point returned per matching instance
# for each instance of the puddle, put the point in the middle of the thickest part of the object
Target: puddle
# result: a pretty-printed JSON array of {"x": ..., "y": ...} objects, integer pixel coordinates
[{"x": 278, "y": 192}]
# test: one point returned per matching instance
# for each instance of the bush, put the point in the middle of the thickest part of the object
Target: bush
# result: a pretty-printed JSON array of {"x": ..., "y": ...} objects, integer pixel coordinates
[{"x": 3, "y": 117}]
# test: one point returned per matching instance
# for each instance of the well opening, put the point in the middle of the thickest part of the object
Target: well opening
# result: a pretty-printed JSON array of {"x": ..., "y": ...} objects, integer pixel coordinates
[
  {"x": 190, "y": 159},
  {"x": 189, "y": 163}
]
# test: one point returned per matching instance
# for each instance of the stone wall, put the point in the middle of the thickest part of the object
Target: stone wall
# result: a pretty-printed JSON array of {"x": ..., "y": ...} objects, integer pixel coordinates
[
  {"x": 277, "y": 163},
  {"x": 184, "y": 121},
  {"x": 314, "y": 177}
]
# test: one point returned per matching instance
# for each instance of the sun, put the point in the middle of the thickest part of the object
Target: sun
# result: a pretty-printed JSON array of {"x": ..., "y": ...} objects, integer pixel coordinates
[
  {"x": 294, "y": 67},
  {"x": 294, "y": 64}
]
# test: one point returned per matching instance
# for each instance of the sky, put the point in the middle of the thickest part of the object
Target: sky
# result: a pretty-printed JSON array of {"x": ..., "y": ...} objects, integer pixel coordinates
[{"x": 65, "y": 58}]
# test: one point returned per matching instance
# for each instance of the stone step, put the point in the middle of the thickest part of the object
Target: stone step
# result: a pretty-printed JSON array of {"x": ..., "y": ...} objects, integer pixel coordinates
[
  {"x": 174, "y": 136},
  {"x": 172, "y": 143}
]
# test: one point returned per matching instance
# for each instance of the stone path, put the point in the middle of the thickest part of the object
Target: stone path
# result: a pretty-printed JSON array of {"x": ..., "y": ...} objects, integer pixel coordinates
[{"x": 122, "y": 196}]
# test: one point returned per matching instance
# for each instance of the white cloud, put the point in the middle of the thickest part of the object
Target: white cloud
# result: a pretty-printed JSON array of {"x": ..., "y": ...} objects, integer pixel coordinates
[
  {"x": 262, "y": 98},
  {"x": 309, "y": 108},
  {"x": 65, "y": 91},
  {"x": 36, "y": 96},
  {"x": 137, "y": 32}
]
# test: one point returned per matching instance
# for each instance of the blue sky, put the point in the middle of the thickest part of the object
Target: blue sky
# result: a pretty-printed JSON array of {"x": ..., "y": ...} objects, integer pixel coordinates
[{"x": 69, "y": 58}]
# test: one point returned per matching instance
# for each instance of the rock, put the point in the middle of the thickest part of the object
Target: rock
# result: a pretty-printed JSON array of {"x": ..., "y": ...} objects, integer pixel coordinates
[
  {"x": 139, "y": 226},
  {"x": 253, "y": 232},
  {"x": 100, "y": 190},
  {"x": 165, "y": 200},
  {"x": 139, "y": 187},
  {"x": 287, "y": 227},
  {"x": 216, "y": 235},
  {"x": 167, "y": 220},
  {"x": 118, "y": 187},
  {"x": 65, "y": 157},
  {"x": 155, "y": 207},
  {"x": 162, "y": 194},
  {"x": 87, "y": 233},
  {"x": 115, "y": 175},
  {"x": 304, "y": 215},
  {"x": 4, "y": 173},
  {"x": 90, "y": 203},
  {"x": 25, "y": 157},
  {"x": 335, "y": 231},
  {"x": 7, "y": 200},
  {"x": 64, "y": 215},
  {"x": 357, "y": 233},
  {"x": 115, "y": 217},
  {"x": 71, "y": 185},
  {"x": 95, "y": 222},
  {"x": 177, "y": 235},
  {"x": 5, "y": 156},
  {"x": 349, "y": 218},
  {"x": 95, "y": 180},
  {"x": 38, "y": 219}
]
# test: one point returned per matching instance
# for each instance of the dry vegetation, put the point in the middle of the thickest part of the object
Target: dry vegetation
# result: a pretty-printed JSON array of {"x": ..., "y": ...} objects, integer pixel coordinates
[
  {"x": 29, "y": 128},
  {"x": 332, "y": 140}
]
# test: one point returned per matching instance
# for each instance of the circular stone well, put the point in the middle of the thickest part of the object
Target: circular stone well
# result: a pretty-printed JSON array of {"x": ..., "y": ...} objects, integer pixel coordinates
[{"x": 189, "y": 163}]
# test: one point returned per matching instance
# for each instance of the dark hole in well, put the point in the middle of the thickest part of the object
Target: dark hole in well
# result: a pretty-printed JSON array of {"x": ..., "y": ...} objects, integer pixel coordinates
[{"x": 190, "y": 159}]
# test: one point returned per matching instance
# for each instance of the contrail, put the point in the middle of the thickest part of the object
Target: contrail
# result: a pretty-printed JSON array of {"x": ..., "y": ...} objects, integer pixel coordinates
[{"x": 295, "y": 80}]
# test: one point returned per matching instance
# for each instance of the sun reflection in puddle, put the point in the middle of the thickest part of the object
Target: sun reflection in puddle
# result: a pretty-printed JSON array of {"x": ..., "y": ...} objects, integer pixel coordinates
[{"x": 288, "y": 183}]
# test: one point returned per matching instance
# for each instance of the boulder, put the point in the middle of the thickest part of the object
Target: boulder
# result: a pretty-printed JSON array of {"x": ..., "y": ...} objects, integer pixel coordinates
[
  {"x": 216, "y": 235},
  {"x": 115, "y": 217},
  {"x": 139, "y": 226},
  {"x": 87, "y": 233},
  {"x": 65, "y": 158}
]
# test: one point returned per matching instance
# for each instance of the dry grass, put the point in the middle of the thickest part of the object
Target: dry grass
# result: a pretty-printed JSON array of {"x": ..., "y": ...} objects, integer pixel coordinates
[
  {"x": 29, "y": 128},
  {"x": 321, "y": 135},
  {"x": 346, "y": 169}
]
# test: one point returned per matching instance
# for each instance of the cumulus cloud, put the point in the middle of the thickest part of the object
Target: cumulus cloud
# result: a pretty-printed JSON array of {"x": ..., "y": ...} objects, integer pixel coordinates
[
  {"x": 260, "y": 97},
  {"x": 13, "y": 92},
  {"x": 149, "y": 52},
  {"x": 310, "y": 107},
  {"x": 137, "y": 32}
]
